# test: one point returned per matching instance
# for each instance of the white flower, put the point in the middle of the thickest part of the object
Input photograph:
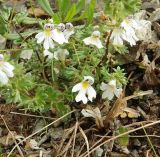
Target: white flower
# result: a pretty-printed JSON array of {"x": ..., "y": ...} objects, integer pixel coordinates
[
  {"x": 46, "y": 36},
  {"x": 94, "y": 39},
  {"x": 86, "y": 91},
  {"x": 6, "y": 70},
  {"x": 68, "y": 31},
  {"x": 144, "y": 32},
  {"x": 110, "y": 89},
  {"x": 48, "y": 54},
  {"x": 129, "y": 26},
  {"x": 117, "y": 36},
  {"x": 61, "y": 54},
  {"x": 26, "y": 54},
  {"x": 58, "y": 35}
]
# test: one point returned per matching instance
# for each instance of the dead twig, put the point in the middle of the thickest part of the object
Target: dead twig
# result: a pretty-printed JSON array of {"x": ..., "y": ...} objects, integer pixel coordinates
[
  {"x": 31, "y": 115},
  {"x": 115, "y": 137},
  {"x": 13, "y": 137},
  {"x": 85, "y": 138},
  {"x": 10, "y": 153},
  {"x": 74, "y": 139}
]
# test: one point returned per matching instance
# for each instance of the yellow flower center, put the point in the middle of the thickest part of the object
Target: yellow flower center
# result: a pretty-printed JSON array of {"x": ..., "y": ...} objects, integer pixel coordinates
[
  {"x": 47, "y": 32},
  {"x": 85, "y": 84},
  {"x": 127, "y": 22}
]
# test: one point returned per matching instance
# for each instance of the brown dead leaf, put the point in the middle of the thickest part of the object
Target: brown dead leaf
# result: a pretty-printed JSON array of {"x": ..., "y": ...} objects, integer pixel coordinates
[
  {"x": 152, "y": 75},
  {"x": 131, "y": 113},
  {"x": 37, "y": 12},
  {"x": 156, "y": 27},
  {"x": 31, "y": 144},
  {"x": 120, "y": 105}
]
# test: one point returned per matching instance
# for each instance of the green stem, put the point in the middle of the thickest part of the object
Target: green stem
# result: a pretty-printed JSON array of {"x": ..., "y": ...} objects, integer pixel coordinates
[{"x": 150, "y": 143}]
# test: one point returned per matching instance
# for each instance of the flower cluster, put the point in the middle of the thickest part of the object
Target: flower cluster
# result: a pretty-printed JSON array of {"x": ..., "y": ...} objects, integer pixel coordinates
[
  {"x": 130, "y": 30},
  {"x": 6, "y": 70},
  {"x": 52, "y": 34},
  {"x": 87, "y": 92}
]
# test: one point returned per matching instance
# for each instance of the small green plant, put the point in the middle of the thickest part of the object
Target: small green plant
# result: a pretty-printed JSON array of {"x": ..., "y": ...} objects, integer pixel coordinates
[{"x": 57, "y": 63}]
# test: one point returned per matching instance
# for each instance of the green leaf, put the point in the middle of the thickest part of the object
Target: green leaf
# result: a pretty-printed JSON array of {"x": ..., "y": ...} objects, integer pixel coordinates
[
  {"x": 46, "y": 6},
  {"x": 90, "y": 11},
  {"x": 80, "y": 6},
  {"x": 71, "y": 13},
  {"x": 62, "y": 109},
  {"x": 16, "y": 36},
  {"x": 124, "y": 140},
  {"x": 2, "y": 26},
  {"x": 57, "y": 18},
  {"x": 64, "y": 6}
]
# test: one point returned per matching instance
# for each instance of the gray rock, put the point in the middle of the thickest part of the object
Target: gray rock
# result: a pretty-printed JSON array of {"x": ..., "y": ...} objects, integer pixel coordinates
[{"x": 137, "y": 143}]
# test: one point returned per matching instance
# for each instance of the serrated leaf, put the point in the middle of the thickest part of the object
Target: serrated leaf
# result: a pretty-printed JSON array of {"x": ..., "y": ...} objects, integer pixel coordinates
[
  {"x": 46, "y": 6},
  {"x": 62, "y": 109},
  {"x": 71, "y": 13}
]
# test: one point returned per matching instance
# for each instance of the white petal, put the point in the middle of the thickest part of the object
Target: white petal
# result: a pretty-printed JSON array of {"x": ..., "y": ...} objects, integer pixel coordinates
[
  {"x": 118, "y": 41},
  {"x": 8, "y": 69},
  {"x": 112, "y": 83},
  {"x": 46, "y": 44},
  {"x": 58, "y": 36},
  {"x": 51, "y": 44},
  {"x": 98, "y": 44},
  {"x": 117, "y": 92},
  {"x": 107, "y": 94},
  {"x": 87, "y": 40},
  {"x": 82, "y": 96},
  {"x": 48, "y": 53},
  {"x": 1, "y": 57},
  {"x": 66, "y": 52},
  {"x": 40, "y": 37},
  {"x": 103, "y": 86},
  {"x": 77, "y": 87},
  {"x": 68, "y": 33},
  {"x": 3, "y": 78},
  {"x": 91, "y": 93},
  {"x": 56, "y": 55},
  {"x": 60, "y": 54}
]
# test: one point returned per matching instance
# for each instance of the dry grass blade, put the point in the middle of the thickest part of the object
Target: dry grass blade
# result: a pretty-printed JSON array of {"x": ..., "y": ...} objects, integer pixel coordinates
[
  {"x": 13, "y": 137},
  {"x": 120, "y": 135},
  {"x": 86, "y": 140},
  {"x": 74, "y": 139},
  {"x": 67, "y": 147},
  {"x": 67, "y": 133},
  {"x": 31, "y": 115},
  {"x": 79, "y": 152},
  {"x": 10, "y": 153}
]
